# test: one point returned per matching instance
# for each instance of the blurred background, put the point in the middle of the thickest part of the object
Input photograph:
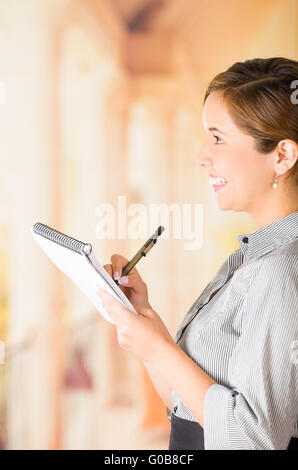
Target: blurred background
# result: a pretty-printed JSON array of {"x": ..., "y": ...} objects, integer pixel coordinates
[{"x": 101, "y": 99}]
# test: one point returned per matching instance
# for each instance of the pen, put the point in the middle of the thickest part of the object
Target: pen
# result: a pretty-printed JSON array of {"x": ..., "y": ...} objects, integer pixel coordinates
[{"x": 142, "y": 252}]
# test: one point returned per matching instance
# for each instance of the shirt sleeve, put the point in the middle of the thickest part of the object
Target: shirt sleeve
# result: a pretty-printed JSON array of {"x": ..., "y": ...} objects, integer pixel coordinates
[{"x": 258, "y": 410}]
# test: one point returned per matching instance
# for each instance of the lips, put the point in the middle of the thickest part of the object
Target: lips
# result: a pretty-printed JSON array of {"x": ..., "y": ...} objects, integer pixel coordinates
[{"x": 218, "y": 187}]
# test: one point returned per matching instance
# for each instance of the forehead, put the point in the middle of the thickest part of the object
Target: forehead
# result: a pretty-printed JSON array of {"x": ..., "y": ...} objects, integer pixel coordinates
[{"x": 216, "y": 114}]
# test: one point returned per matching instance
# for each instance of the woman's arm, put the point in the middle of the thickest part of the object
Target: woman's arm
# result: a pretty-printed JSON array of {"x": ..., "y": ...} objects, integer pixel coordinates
[
  {"x": 183, "y": 375},
  {"x": 161, "y": 385},
  {"x": 259, "y": 410},
  {"x": 146, "y": 336}
]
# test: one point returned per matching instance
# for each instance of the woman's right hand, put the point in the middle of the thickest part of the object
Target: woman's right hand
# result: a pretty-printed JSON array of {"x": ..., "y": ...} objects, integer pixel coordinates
[{"x": 136, "y": 289}]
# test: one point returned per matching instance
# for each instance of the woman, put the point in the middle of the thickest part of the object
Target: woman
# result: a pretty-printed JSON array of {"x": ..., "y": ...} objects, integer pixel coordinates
[{"x": 230, "y": 376}]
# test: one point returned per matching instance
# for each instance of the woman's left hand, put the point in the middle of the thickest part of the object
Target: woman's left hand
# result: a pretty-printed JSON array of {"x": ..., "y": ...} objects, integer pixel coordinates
[{"x": 143, "y": 334}]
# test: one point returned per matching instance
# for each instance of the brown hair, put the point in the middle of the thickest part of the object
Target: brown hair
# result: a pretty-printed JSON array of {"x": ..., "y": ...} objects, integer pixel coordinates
[{"x": 258, "y": 95}]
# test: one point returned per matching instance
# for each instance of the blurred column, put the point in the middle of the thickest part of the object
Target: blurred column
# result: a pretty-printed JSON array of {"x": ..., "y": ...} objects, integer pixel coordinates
[
  {"x": 117, "y": 365},
  {"x": 93, "y": 126},
  {"x": 83, "y": 108},
  {"x": 150, "y": 174},
  {"x": 28, "y": 64}
]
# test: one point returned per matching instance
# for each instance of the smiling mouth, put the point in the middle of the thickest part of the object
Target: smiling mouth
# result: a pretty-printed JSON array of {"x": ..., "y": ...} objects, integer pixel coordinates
[{"x": 217, "y": 182}]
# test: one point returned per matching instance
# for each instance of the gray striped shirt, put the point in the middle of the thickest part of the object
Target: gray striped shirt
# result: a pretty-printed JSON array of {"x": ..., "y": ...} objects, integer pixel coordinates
[{"x": 246, "y": 338}]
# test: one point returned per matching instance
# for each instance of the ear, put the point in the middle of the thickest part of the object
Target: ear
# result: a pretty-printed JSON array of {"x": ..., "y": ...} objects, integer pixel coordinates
[{"x": 286, "y": 155}]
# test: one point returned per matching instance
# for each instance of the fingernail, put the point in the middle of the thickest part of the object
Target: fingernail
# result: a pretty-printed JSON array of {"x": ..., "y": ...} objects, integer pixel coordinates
[
  {"x": 123, "y": 280},
  {"x": 116, "y": 276}
]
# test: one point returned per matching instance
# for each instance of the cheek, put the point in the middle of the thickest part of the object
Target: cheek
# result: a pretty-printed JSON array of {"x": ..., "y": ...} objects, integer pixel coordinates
[
  {"x": 240, "y": 165},
  {"x": 240, "y": 172},
  {"x": 247, "y": 177}
]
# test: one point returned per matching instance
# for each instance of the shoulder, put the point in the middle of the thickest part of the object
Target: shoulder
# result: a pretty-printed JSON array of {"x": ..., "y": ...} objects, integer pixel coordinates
[
  {"x": 273, "y": 294},
  {"x": 281, "y": 264},
  {"x": 290, "y": 248}
]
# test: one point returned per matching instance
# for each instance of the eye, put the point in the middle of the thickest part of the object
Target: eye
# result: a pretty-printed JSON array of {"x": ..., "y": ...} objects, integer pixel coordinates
[{"x": 217, "y": 141}]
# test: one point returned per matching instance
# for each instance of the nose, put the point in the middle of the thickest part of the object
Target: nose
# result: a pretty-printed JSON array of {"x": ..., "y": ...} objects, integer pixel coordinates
[{"x": 204, "y": 158}]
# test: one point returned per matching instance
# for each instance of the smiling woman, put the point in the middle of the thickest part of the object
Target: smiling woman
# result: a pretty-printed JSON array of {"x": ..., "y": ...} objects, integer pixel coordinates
[
  {"x": 250, "y": 106},
  {"x": 229, "y": 380},
  {"x": 251, "y": 109}
]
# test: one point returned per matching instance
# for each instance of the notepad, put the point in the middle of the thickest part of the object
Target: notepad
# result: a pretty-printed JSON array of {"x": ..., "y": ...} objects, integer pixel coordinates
[{"x": 77, "y": 260}]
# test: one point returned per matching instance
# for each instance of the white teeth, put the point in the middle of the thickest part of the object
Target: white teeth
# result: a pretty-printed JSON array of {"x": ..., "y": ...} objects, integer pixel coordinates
[{"x": 217, "y": 181}]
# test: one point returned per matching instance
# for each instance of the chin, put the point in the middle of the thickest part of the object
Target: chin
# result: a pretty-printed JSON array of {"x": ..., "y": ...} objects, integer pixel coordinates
[
  {"x": 225, "y": 205},
  {"x": 230, "y": 207}
]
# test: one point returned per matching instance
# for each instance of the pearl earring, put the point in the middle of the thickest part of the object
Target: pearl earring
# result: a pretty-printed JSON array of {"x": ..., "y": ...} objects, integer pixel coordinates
[{"x": 275, "y": 184}]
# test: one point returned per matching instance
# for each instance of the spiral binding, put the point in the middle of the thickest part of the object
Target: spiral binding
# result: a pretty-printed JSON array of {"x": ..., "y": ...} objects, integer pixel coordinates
[{"x": 61, "y": 239}]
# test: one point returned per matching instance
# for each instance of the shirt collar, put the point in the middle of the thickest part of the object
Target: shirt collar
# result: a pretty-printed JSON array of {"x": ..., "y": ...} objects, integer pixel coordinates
[{"x": 268, "y": 238}]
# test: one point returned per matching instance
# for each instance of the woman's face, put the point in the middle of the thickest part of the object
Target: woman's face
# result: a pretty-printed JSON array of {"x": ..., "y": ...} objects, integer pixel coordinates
[{"x": 230, "y": 153}]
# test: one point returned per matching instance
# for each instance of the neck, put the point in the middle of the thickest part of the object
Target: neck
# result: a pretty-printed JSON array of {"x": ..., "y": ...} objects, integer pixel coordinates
[{"x": 276, "y": 205}]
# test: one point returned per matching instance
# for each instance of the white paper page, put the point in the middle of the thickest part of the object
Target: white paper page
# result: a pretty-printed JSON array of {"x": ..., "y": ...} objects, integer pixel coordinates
[{"x": 81, "y": 272}]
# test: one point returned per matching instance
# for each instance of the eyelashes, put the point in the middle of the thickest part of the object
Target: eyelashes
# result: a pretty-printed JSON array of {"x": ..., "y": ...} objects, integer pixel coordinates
[{"x": 219, "y": 139}]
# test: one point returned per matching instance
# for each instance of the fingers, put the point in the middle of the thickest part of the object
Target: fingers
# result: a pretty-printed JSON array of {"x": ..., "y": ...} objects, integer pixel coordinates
[
  {"x": 132, "y": 280},
  {"x": 118, "y": 263},
  {"x": 109, "y": 269},
  {"x": 118, "y": 313}
]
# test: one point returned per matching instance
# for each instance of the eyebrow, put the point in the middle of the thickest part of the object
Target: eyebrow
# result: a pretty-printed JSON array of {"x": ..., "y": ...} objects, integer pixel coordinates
[{"x": 215, "y": 129}]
